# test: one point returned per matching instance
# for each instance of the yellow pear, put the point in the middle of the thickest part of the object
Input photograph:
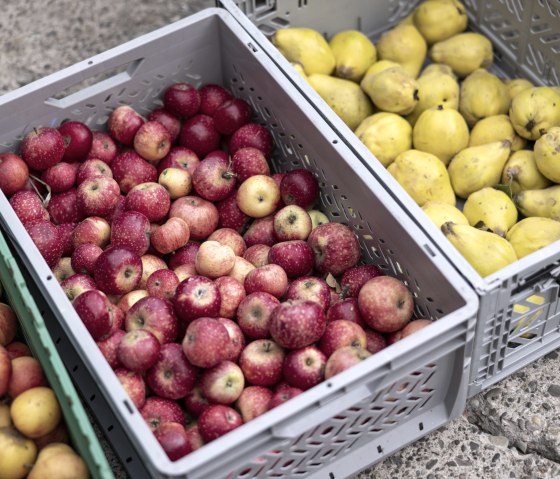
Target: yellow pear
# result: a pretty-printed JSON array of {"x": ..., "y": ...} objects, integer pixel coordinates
[
  {"x": 298, "y": 67},
  {"x": 482, "y": 95},
  {"x": 547, "y": 154},
  {"x": 379, "y": 66},
  {"x": 423, "y": 176},
  {"x": 438, "y": 20},
  {"x": 386, "y": 135},
  {"x": 495, "y": 128},
  {"x": 393, "y": 90},
  {"x": 345, "y": 97},
  {"x": 533, "y": 233},
  {"x": 521, "y": 172},
  {"x": 517, "y": 85},
  {"x": 439, "y": 68},
  {"x": 534, "y": 110},
  {"x": 544, "y": 203},
  {"x": 485, "y": 251},
  {"x": 405, "y": 45},
  {"x": 478, "y": 166},
  {"x": 307, "y": 47},
  {"x": 440, "y": 131},
  {"x": 491, "y": 208},
  {"x": 354, "y": 54},
  {"x": 435, "y": 89},
  {"x": 440, "y": 213},
  {"x": 464, "y": 53}
]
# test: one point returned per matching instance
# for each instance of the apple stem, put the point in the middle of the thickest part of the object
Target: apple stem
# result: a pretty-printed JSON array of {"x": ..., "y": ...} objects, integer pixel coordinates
[
  {"x": 228, "y": 175},
  {"x": 47, "y": 198},
  {"x": 344, "y": 291}
]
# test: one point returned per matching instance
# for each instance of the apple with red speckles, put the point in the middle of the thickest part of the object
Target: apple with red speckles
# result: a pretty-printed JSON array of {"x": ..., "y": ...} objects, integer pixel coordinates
[
  {"x": 231, "y": 238},
  {"x": 60, "y": 177},
  {"x": 174, "y": 440},
  {"x": 346, "y": 309},
  {"x": 90, "y": 168},
  {"x": 150, "y": 263},
  {"x": 311, "y": 288},
  {"x": 172, "y": 376},
  {"x": 157, "y": 411},
  {"x": 182, "y": 100},
  {"x": 260, "y": 231},
  {"x": 93, "y": 308},
  {"x": 252, "y": 135},
  {"x": 206, "y": 342},
  {"x": 254, "y": 312},
  {"x": 232, "y": 293},
  {"x": 138, "y": 350},
  {"x": 150, "y": 198},
  {"x": 211, "y": 97},
  {"x": 109, "y": 347},
  {"x": 162, "y": 284},
  {"x": 295, "y": 324},
  {"x": 154, "y": 315},
  {"x": 386, "y": 304},
  {"x": 152, "y": 141},
  {"x": 253, "y": 402},
  {"x": 249, "y": 161},
  {"x": 261, "y": 362},
  {"x": 97, "y": 196},
  {"x": 241, "y": 268},
  {"x": 213, "y": 179},
  {"x": 258, "y": 196},
  {"x": 179, "y": 157},
  {"x": 196, "y": 297},
  {"x": 63, "y": 269},
  {"x": 42, "y": 148},
  {"x": 185, "y": 254},
  {"x": 65, "y": 231},
  {"x": 201, "y": 215},
  {"x": 354, "y": 278},
  {"x": 124, "y": 121},
  {"x": 294, "y": 256},
  {"x": 117, "y": 270},
  {"x": 131, "y": 230},
  {"x": 84, "y": 257},
  {"x": 94, "y": 230},
  {"x": 375, "y": 341},
  {"x": 76, "y": 285},
  {"x": 229, "y": 214},
  {"x": 341, "y": 333},
  {"x": 127, "y": 300},
  {"x": 336, "y": 248},
  {"x": 299, "y": 187},
  {"x": 195, "y": 401},
  {"x": 63, "y": 207},
  {"x": 171, "y": 123},
  {"x": 223, "y": 383},
  {"x": 344, "y": 358},
  {"x": 305, "y": 367},
  {"x": 237, "y": 339},
  {"x": 78, "y": 138},
  {"x": 257, "y": 254},
  {"x": 133, "y": 384},
  {"x": 199, "y": 134},
  {"x": 283, "y": 393},
  {"x": 45, "y": 236},
  {"x": 269, "y": 278},
  {"x": 170, "y": 236},
  {"x": 14, "y": 173},
  {"x": 232, "y": 115},
  {"x": 28, "y": 206},
  {"x": 130, "y": 169},
  {"x": 217, "y": 420},
  {"x": 103, "y": 147}
]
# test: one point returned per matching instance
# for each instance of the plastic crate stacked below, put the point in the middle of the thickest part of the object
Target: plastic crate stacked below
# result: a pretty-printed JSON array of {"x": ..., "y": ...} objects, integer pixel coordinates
[
  {"x": 519, "y": 320},
  {"x": 340, "y": 426},
  {"x": 41, "y": 344}
]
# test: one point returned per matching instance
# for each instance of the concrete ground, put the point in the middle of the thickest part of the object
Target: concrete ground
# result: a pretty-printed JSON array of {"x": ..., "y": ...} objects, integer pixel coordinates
[{"x": 509, "y": 431}]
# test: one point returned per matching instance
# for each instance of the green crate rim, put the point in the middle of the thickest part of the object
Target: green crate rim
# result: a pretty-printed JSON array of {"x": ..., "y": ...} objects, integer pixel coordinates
[{"x": 41, "y": 344}]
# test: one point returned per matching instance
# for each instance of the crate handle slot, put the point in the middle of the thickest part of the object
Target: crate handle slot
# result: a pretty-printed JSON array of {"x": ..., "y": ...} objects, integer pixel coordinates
[{"x": 89, "y": 86}]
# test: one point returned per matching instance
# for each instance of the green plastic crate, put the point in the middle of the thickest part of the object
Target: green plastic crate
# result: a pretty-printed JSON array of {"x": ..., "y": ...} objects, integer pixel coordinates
[{"x": 37, "y": 337}]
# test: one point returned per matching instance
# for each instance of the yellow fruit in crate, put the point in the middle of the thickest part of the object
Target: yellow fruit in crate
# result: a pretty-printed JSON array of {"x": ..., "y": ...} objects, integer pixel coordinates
[
  {"x": 354, "y": 53},
  {"x": 442, "y": 132},
  {"x": 479, "y": 166},
  {"x": 544, "y": 203},
  {"x": 5, "y": 419},
  {"x": 345, "y": 97},
  {"x": 17, "y": 454},
  {"x": 36, "y": 412},
  {"x": 386, "y": 135},
  {"x": 408, "y": 20},
  {"x": 423, "y": 176},
  {"x": 435, "y": 88},
  {"x": 53, "y": 449},
  {"x": 482, "y": 95},
  {"x": 485, "y": 251},
  {"x": 534, "y": 110},
  {"x": 517, "y": 85},
  {"x": 440, "y": 213},
  {"x": 521, "y": 172},
  {"x": 317, "y": 218},
  {"x": 439, "y": 68},
  {"x": 464, "y": 53},
  {"x": 491, "y": 208},
  {"x": 379, "y": 66},
  {"x": 298, "y": 67},
  {"x": 495, "y": 128},
  {"x": 393, "y": 89},
  {"x": 404, "y": 45},
  {"x": 532, "y": 234},
  {"x": 64, "y": 465},
  {"x": 437, "y": 20},
  {"x": 307, "y": 47},
  {"x": 547, "y": 154}
]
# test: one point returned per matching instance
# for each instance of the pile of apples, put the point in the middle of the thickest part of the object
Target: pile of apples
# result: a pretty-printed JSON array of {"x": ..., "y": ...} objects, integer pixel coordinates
[
  {"x": 214, "y": 288},
  {"x": 34, "y": 440}
]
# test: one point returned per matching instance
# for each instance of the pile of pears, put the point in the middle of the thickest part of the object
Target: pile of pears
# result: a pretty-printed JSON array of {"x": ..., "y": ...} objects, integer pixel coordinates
[{"x": 478, "y": 153}]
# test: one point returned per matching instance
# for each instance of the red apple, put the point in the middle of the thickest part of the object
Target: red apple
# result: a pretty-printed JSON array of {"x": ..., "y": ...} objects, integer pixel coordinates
[
  {"x": 232, "y": 293},
  {"x": 261, "y": 231},
  {"x": 14, "y": 173},
  {"x": 211, "y": 97},
  {"x": 154, "y": 315},
  {"x": 176, "y": 181},
  {"x": 300, "y": 187},
  {"x": 27, "y": 373},
  {"x": 196, "y": 297},
  {"x": 223, "y": 383},
  {"x": 237, "y": 340},
  {"x": 77, "y": 140},
  {"x": 343, "y": 359},
  {"x": 131, "y": 230},
  {"x": 253, "y": 402},
  {"x": 185, "y": 254},
  {"x": 179, "y": 157},
  {"x": 248, "y": 162},
  {"x": 386, "y": 304},
  {"x": 346, "y": 309},
  {"x": 45, "y": 236},
  {"x": 231, "y": 238},
  {"x": 341, "y": 333},
  {"x": 162, "y": 284},
  {"x": 261, "y": 362},
  {"x": 232, "y": 115},
  {"x": 63, "y": 207},
  {"x": 195, "y": 401},
  {"x": 130, "y": 169},
  {"x": 17, "y": 349},
  {"x": 213, "y": 179},
  {"x": 91, "y": 168},
  {"x": 94, "y": 230},
  {"x": 283, "y": 393},
  {"x": 311, "y": 288},
  {"x": 295, "y": 257},
  {"x": 172, "y": 376},
  {"x": 257, "y": 254},
  {"x": 28, "y": 206},
  {"x": 201, "y": 215},
  {"x": 181, "y": 100},
  {"x": 304, "y": 368},
  {"x": 150, "y": 263},
  {"x": 217, "y": 420},
  {"x": 194, "y": 438},
  {"x": 254, "y": 312},
  {"x": 8, "y": 324},
  {"x": 170, "y": 236},
  {"x": 296, "y": 324},
  {"x": 76, "y": 285},
  {"x": 199, "y": 134},
  {"x": 42, "y": 148},
  {"x": 138, "y": 350},
  {"x": 84, "y": 257},
  {"x": 123, "y": 124},
  {"x": 152, "y": 141},
  {"x": 174, "y": 440},
  {"x": 214, "y": 259},
  {"x": 354, "y": 278},
  {"x": 109, "y": 347},
  {"x": 157, "y": 411},
  {"x": 414, "y": 326},
  {"x": 258, "y": 196},
  {"x": 171, "y": 123},
  {"x": 93, "y": 308},
  {"x": 252, "y": 135},
  {"x": 269, "y": 278},
  {"x": 133, "y": 384},
  {"x": 117, "y": 270},
  {"x": 336, "y": 248},
  {"x": 65, "y": 232},
  {"x": 150, "y": 198},
  {"x": 229, "y": 214},
  {"x": 5, "y": 370},
  {"x": 103, "y": 147},
  {"x": 97, "y": 196},
  {"x": 206, "y": 342},
  {"x": 60, "y": 177},
  {"x": 375, "y": 341}
]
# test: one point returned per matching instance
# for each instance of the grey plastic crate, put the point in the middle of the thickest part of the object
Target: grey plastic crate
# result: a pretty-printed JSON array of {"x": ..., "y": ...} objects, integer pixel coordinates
[
  {"x": 339, "y": 426},
  {"x": 526, "y": 38}
]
